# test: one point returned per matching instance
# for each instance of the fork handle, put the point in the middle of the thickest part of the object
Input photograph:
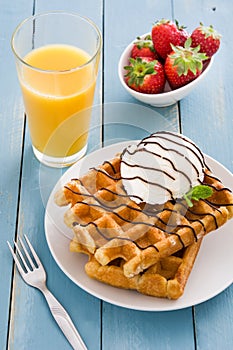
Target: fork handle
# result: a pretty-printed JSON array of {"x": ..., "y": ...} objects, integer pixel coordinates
[{"x": 64, "y": 321}]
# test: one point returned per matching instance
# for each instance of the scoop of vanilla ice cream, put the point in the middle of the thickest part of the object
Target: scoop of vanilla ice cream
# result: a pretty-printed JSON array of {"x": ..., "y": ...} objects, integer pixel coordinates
[{"x": 161, "y": 167}]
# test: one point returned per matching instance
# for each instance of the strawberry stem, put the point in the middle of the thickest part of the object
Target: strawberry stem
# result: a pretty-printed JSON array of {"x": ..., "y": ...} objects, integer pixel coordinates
[
  {"x": 187, "y": 58},
  {"x": 138, "y": 69}
]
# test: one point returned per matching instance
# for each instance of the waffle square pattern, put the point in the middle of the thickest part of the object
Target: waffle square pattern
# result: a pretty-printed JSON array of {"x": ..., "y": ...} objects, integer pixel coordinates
[{"x": 150, "y": 248}]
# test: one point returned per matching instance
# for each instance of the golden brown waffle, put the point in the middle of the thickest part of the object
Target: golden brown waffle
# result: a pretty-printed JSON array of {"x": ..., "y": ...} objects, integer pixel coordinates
[
  {"x": 135, "y": 246},
  {"x": 166, "y": 279}
]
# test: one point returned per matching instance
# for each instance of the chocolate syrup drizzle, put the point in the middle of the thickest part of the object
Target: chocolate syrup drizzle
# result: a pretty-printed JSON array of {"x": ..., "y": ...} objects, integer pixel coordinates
[
  {"x": 151, "y": 213},
  {"x": 111, "y": 209},
  {"x": 152, "y": 139},
  {"x": 149, "y": 168},
  {"x": 110, "y": 164},
  {"x": 179, "y": 136}
]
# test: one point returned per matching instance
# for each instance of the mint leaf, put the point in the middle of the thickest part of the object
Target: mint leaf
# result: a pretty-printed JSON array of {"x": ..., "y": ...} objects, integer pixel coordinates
[
  {"x": 198, "y": 192},
  {"x": 189, "y": 202}
]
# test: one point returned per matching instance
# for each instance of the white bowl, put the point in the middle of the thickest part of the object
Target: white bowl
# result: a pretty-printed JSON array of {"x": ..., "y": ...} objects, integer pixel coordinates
[{"x": 166, "y": 98}]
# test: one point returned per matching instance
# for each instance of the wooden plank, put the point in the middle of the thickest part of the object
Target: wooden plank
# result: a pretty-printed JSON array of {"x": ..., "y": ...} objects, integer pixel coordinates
[
  {"x": 126, "y": 118},
  {"x": 122, "y": 27},
  {"x": 31, "y": 322},
  {"x": 214, "y": 320},
  {"x": 11, "y": 133},
  {"x": 128, "y": 329},
  {"x": 208, "y": 109}
]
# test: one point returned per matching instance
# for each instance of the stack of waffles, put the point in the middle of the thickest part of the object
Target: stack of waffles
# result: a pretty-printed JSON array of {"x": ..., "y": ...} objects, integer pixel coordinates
[{"x": 148, "y": 248}]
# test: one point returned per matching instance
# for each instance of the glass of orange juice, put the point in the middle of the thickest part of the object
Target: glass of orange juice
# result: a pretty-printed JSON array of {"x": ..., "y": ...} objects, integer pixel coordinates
[{"x": 57, "y": 56}]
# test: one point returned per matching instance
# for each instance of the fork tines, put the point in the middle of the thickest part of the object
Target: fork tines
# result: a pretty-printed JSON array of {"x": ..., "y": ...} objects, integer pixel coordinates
[{"x": 27, "y": 262}]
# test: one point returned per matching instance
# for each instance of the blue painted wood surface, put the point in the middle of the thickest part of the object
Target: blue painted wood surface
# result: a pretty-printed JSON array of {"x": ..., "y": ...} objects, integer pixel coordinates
[{"x": 205, "y": 116}]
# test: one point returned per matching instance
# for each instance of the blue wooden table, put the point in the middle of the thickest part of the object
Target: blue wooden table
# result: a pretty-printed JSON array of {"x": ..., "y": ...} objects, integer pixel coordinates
[{"x": 205, "y": 116}]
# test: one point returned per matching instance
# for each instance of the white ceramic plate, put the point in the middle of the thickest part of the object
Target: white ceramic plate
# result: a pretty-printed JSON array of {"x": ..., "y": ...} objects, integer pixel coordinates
[{"x": 212, "y": 272}]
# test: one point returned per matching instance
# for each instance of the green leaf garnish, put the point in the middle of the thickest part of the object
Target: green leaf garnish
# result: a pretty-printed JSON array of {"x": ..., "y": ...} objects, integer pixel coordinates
[{"x": 198, "y": 192}]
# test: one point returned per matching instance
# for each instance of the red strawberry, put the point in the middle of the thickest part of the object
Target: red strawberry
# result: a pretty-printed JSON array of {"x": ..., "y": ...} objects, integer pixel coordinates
[
  {"x": 164, "y": 33},
  {"x": 145, "y": 75},
  {"x": 144, "y": 48},
  {"x": 184, "y": 64},
  {"x": 183, "y": 34},
  {"x": 208, "y": 39}
]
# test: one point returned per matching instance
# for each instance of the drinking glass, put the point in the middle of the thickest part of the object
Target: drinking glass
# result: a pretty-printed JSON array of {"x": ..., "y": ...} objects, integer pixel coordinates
[{"x": 57, "y": 56}]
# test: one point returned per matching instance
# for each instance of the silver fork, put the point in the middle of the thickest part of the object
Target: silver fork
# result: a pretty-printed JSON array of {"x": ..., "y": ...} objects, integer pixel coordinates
[{"x": 33, "y": 273}]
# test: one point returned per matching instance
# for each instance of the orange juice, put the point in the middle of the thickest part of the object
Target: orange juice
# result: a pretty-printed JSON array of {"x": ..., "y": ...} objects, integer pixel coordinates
[{"x": 58, "y": 96}]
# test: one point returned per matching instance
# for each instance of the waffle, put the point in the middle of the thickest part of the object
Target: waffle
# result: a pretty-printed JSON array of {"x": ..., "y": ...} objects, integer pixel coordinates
[
  {"x": 166, "y": 279},
  {"x": 150, "y": 249}
]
